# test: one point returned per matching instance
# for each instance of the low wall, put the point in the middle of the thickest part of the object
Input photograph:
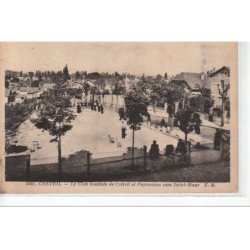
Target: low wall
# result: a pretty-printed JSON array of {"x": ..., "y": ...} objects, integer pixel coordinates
[{"x": 16, "y": 165}]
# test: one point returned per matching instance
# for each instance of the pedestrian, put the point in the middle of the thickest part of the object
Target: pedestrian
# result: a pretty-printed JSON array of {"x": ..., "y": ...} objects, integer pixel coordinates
[
  {"x": 149, "y": 119},
  {"x": 181, "y": 147},
  {"x": 101, "y": 108},
  {"x": 123, "y": 130},
  {"x": 163, "y": 123},
  {"x": 217, "y": 139},
  {"x": 79, "y": 110},
  {"x": 154, "y": 150},
  {"x": 210, "y": 116}
]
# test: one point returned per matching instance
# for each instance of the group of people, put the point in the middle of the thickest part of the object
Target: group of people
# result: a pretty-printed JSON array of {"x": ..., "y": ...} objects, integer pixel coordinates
[
  {"x": 169, "y": 150},
  {"x": 181, "y": 147},
  {"x": 97, "y": 106}
]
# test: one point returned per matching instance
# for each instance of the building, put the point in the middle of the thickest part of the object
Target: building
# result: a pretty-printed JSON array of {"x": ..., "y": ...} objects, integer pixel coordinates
[
  {"x": 48, "y": 86},
  {"x": 33, "y": 92},
  {"x": 215, "y": 79},
  {"x": 192, "y": 82},
  {"x": 211, "y": 80},
  {"x": 27, "y": 93}
]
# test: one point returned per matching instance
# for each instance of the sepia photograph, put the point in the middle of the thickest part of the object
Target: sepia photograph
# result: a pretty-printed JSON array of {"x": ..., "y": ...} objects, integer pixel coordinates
[{"x": 121, "y": 113}]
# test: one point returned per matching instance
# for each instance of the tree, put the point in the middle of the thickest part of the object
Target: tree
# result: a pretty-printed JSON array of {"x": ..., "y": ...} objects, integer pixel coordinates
[
  {"x": 86, "y": 89},
  {"x": 55, "y": 116},
  {"x": 135, "y": 108},
  {"x": 118, "y": 90},
  {"x": 66, "y": 73},
  {"x": 202, "y": 102},
  {"x": 7, "y": 84},
  {"x": 223, "y": 93},
  {"x": 78, "y": 75},
  {"x": 94, "y": 91},
  {"x": 188, "y": 120},
  {"x": 35, "y": 84}
]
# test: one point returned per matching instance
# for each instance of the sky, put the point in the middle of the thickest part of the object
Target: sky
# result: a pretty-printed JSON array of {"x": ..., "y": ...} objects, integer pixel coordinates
[{"x": 135, "y": 58}]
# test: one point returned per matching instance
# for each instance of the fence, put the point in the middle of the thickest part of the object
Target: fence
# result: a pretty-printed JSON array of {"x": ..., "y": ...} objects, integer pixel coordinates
[{"x": 82, "y": 167}]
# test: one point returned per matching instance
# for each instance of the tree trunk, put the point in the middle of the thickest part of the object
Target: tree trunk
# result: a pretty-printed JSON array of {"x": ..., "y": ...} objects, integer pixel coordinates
[
  {"x": 59, "y": 158},
  {"x": 133, "y": 147},
  {"x": 170, "y": 121},
  {"x": 116, "y": 101},
  {"x": 222, "y": 112},
  {"x": 186, "y": 135},
  {"x": 112, "y": 100}
]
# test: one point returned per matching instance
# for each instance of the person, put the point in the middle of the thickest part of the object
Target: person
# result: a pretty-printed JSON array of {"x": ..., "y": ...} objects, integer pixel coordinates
[
  {"x": 79, "y": 110},
  {"x": 163, "y": 123},
  {"x": 181, "y": 147},
  {"x": 217, "y": 139},
  {"x": 175, "y": 123},
  {"x": 210, "y": 116},
  {"x": 123, "y": 129},
  {"x": 92, "y": 105},
  {"x": 154, "y": 150},
  {"x": 149, "y": 119},
  {"x": 101, "y": 108}
]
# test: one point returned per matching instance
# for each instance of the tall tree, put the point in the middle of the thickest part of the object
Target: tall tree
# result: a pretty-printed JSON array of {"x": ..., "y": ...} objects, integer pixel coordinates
[
  {"x": 66, "y": 73},
  {"x": 188, "y": 121},
  {"x": 55, "y": 117},
  {"x": 135, "y": 108},
  {"x": 202, "y": 102},
  {"x": 86, "y": 89},
  {"x": 223, "y": 90}
]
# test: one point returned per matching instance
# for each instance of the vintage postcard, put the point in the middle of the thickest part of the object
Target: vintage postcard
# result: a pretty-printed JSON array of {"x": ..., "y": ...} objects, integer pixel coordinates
[{"x": 118, "y": 117}]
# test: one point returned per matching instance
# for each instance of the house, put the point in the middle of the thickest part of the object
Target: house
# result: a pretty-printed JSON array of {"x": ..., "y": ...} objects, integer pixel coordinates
[
  {"x": 75, "y": 85},
  {"x": 48, "y": 86},
  {"x": 216, "y": 78},
  {"x": 192, "y": 82},
  {"x": 33, "y": 92},
  {"x": 27, "y": 93},
  {"x": 7, "y": 94}
]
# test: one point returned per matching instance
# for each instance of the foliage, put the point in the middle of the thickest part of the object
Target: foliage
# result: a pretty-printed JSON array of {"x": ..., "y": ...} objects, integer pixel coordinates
[
  {"x": 73, "y": 92},
  {"x": 35, "y": 84},
  {"x": 18, "y": 113},
  {"x": 55, "y": 113},
  {"x": 119, "y": 89},
  {"x": 86, "y": 88},
  {"x": 187, "y": 120},
  {"x": 7, "y": 84},
  {"x": 136, "y": 107},
  {"x": 121, "y": 112},
  {"x": 201, "y": 103},
  {"x": 66, "y": 73}
]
